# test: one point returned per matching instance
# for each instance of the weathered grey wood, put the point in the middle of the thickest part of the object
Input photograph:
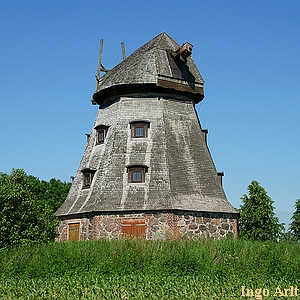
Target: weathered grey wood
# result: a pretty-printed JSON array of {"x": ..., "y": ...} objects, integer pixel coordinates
[
  {"x": 99, "y": 64},
  {"x": 123, "y": 50},
  {"x": 148, "y": 69},
  {"x": 180, "y": 173}
]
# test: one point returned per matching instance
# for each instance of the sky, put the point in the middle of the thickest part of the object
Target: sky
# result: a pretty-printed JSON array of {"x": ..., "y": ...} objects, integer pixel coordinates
[{"x": 248, "y": 53}]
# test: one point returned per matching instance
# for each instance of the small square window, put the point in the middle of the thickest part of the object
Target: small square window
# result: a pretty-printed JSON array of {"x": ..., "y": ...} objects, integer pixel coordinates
[
  {"x": 136, "y": 175},
  {"x": 101, "y": 134},
  {"x": 88, "y": 176},
  {"x": 139, "y": 130},
  {"x": 87, "y": 180}
]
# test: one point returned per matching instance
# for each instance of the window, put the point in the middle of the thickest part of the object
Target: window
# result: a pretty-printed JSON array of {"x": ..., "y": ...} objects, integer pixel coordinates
[
  {"x": 139, "y": 129},
  {"x": 136, "y": 173},
  {"x": 101, "y": 134},
  {"x": 88, "y": 175}
]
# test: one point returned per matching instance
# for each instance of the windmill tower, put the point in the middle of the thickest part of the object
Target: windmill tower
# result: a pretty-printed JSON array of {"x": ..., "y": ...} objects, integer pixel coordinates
[{"x": 146, "y": 170}]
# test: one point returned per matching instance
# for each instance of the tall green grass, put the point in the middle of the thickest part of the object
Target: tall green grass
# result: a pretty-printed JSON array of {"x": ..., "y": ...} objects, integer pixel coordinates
[{"x": 138, "y": 269}]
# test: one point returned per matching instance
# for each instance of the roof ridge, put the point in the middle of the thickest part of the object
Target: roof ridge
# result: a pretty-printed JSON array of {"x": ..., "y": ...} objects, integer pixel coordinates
[
  {"x": 150, "y": 65},
  {"x": 161, "y": 35}
]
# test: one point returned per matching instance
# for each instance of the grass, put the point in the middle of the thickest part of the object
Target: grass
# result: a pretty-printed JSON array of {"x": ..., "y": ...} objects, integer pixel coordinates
[{"x": 138, "y": 269}]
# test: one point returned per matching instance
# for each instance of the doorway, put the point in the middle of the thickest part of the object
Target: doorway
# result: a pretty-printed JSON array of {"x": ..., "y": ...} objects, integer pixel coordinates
[{"x": 74, "y": 231}]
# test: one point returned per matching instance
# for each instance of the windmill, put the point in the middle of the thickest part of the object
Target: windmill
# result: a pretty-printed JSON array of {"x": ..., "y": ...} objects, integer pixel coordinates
[{"x": 147, "y": 170}]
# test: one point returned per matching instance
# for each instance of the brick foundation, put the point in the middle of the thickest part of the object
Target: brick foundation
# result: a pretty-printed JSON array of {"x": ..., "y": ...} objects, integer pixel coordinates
[{"x": 156, "y": 225}]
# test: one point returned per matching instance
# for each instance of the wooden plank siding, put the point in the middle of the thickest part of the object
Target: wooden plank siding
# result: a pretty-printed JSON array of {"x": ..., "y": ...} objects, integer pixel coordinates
[
  {"x": 74, "y": 232},
  {"x": 134, "y": 228}
]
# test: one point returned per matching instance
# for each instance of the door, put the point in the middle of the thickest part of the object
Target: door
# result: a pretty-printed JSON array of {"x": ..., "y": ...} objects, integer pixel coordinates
[
  {"x": 74, "y": 230},
  {"x": 134, "y": 228}
]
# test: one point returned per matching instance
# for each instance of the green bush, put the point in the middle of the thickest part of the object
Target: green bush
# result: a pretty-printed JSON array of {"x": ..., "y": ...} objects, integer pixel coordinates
[{"x": 27, "y": 207}]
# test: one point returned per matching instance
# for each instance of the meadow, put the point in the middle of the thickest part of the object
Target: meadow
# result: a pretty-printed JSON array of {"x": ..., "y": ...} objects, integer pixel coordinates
[{"x": 139, "y": 269}]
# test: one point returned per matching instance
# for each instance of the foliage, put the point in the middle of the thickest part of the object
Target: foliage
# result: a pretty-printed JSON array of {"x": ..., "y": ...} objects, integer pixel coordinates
[
  {"x": 295, "y": 225},
  {"x": 52, "y": 193},
  {"x": 27, "y": 208},
  {"x": 139, "y": 269},
  {"x": 257, "y": 217}
]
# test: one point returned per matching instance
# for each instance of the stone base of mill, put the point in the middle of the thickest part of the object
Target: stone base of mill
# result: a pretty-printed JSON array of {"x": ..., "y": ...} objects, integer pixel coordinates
[{"x": 149, "y": 226}]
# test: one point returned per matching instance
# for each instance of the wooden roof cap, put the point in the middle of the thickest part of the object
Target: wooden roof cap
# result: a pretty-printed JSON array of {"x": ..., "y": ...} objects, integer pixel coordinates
[{"x": 183, "y": 52}]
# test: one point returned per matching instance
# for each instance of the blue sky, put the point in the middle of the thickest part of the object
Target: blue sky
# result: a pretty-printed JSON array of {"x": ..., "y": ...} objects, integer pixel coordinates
[{"x": 247, "y": 52}]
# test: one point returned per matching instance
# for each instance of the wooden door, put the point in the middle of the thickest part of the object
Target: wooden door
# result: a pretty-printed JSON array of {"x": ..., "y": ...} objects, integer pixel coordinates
[
  {"x": 74, "y": 231},
  {"x": 134, "y": 228}
]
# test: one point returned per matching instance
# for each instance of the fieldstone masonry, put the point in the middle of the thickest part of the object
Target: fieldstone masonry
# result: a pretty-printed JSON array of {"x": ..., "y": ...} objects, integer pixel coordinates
[{"x": 159, "y": 226}]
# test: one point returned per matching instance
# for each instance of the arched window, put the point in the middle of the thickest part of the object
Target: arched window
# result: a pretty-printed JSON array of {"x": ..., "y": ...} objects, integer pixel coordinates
[
  {"x": 101, "y": 133},
  {"x": 139, "y": 129},
  {"x": 88, "y": 175},
  {"x": 136, "y": 173}
]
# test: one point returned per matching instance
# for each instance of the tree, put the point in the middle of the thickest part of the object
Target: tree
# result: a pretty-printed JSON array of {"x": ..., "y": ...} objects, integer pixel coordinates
[
  {"x": 295, "y": 225},
  {"x": 257, "y": 217},
  {"x": 52, "y": 193},
  {"x": 26, "y": 210}
]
